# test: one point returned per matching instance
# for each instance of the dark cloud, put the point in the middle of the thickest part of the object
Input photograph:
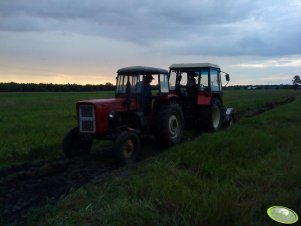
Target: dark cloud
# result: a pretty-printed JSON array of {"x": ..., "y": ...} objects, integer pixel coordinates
[{"x": 212, "y": 27}]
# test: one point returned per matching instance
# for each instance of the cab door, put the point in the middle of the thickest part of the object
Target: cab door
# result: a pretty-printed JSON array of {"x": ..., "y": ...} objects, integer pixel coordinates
[
  {"x": 215, "y": 84},
  {"x": 163, "y": 83},
  {"x": 204, "y": 88}
]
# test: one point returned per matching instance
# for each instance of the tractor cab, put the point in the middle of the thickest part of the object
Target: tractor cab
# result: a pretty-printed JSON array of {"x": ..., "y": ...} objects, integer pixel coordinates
[
  {"x": 199, "y": 81},
  {"x": 139, "y": 84},
  {"x": 199, "y": 88}
]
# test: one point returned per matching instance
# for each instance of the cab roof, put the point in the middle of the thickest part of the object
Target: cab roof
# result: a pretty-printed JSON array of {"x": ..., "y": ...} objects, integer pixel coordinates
[
  {"x": 193, "y": 65},
  {"x": 141, "y": 70}
]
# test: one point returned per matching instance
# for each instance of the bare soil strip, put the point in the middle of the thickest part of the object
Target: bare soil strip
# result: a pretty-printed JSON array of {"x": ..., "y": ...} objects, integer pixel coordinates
[
  {"x": 33, "y": 184},
  {"x": 256, "y": 111},
  {"x": 24, "y": 186}
]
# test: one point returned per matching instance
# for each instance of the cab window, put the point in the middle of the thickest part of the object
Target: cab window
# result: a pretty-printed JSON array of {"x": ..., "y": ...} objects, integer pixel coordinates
[
  {"x": 172, "y": 80},
  {"x": 214, "y": 80},
  {"x": 204, "y": 82},
  {"x": 120, "y": 84},
  {"x": 137, "y": 84},
  {"x": 164, "y": 83}
]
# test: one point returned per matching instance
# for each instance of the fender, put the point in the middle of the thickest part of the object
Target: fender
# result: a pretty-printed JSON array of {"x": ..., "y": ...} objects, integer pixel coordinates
[
  {"x": 166, "y": 96},
  {"x": 205, "y": 98}
]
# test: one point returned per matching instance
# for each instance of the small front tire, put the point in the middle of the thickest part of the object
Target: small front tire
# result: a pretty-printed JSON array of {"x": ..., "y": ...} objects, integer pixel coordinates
[
  {"x": 75, "y": 145},
  {"x": 127, "y": 146}
]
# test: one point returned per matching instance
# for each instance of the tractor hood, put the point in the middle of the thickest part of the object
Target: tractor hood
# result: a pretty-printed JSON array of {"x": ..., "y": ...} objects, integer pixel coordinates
[
  {"x": 112, "y": 104},
  {"x": 102, "y": 101},
  {"x": 98, "y": 115}
]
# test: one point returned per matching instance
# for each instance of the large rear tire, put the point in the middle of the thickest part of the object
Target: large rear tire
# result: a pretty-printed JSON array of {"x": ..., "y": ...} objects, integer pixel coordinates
[
  {"x": 127, "y": 146},
  {"x": 211, "y": 117},
  {"x": 169, "y": 124},
  {"x": 76, "y": 145}
]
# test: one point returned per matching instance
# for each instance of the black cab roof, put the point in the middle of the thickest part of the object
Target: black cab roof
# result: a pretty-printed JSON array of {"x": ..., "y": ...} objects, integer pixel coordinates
[
  {"x": 193, "y": 65},
  {"x": 141, "y": 70}
]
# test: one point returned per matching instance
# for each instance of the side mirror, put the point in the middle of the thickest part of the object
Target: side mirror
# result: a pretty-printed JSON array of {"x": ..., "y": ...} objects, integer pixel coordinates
[{"x": 227, "y": 77}]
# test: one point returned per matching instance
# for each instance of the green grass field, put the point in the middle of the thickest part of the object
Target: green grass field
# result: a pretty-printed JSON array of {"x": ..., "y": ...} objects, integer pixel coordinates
[
  {"x": 225, "y": 178},
  {"x": 33, "y": 124}
]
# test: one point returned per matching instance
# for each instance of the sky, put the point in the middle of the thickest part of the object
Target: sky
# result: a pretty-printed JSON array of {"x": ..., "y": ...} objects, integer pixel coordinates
[{"x": 86, "y": 42}]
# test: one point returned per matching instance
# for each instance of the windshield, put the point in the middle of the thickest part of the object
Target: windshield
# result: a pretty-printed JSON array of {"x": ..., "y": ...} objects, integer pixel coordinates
[
  {"x": 137, "y": 85},
  {"x": 186, "y": 77},
  {"x": 135, "y": 81}
]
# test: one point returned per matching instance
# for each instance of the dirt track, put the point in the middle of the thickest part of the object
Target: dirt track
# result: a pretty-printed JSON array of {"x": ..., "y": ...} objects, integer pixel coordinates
[
  {"x": 28, "y": 185},
  {"x": 266, "y": 107},
  {"x": 35, "y": 184},
  {"x": 32, "y": 184}
]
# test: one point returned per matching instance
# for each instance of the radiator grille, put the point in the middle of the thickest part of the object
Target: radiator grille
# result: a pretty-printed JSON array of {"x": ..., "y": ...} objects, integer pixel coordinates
[
  {"x": 87, "y": 119},
  {"x": 87, "y": 111}
]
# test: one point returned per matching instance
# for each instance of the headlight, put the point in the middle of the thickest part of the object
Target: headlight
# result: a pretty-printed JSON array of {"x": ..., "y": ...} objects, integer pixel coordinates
[{"x": 111, "y": 115}]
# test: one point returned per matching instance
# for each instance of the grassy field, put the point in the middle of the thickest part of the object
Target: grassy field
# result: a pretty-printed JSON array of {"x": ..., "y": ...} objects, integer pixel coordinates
[
  {"x": 226, "y": 178},
  {"x": 247, "y": 99},
  {"x": 33, "y": 124}
]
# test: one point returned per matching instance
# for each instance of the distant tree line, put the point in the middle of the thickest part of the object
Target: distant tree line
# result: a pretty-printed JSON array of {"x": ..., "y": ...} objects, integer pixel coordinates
[
  {"x": 252, "y": 87},
  {"x": 42, "y": 87},
  {"x": 50, "y": 87},
  {"x": 296, "y": 85}
]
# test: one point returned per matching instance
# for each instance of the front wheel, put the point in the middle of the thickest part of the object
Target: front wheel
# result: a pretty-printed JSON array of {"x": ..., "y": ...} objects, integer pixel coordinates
[
  {"x": 76, "y": 145},
  {"x": 127, "y": 146}
]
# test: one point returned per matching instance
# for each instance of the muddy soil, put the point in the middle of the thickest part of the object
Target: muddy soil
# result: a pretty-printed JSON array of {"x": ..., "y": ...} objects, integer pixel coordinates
[
  {"x": 266, "y": 107},
  {"x": 34, "y": 184},
  {"x": 28, "y": 185}
]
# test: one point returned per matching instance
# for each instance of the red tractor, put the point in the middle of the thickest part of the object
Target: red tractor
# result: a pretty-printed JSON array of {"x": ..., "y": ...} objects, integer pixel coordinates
[
  {"x": 134, "y": 110},
  {"x": 199, "y": 89},
  {"x": 190, "y": 93}
]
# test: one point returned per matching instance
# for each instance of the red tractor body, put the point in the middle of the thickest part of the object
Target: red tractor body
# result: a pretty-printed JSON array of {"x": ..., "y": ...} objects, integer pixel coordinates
[
  {"x": 93, "y": 115},
  {"x": 199, "y": 88},
  {"x": 137, "y": 108},
  {"x": 189, "y": 94}
]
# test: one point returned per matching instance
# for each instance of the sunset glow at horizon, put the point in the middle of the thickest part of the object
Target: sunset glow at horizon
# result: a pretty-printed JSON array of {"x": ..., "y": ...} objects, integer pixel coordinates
[{"x": 63, "y": 41}]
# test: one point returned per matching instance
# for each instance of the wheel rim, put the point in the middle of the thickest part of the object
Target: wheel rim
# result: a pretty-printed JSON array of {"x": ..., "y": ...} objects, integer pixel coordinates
[
  {"x": 216, "y": 115},
  {"x": 128, "y": 149},
  {"x": 173, "y": 126}
]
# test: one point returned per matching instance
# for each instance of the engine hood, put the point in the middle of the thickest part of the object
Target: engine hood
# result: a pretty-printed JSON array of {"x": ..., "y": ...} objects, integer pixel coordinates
[
  {"x": 112, "y": 104},
  {"x": 102, "y": 101}
]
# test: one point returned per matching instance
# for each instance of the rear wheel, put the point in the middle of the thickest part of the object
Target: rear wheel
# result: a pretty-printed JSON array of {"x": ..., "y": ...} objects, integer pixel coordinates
[
  {"x": 75, "y": 145},
  {"x": 169, "y": 124},
  {"x": 127, "y": 146},
  {"x": 211, "y": 117}
]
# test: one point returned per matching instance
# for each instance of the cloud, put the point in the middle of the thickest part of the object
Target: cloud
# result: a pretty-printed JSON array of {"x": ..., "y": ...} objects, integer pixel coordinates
[
  {"x": 281, "y": 62},
  {"x": 277, "y": 78},
  {"x": 210, "y": 27},
  {"x": 251, "y": 39}
]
